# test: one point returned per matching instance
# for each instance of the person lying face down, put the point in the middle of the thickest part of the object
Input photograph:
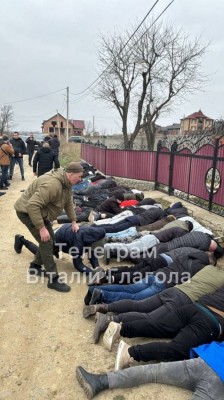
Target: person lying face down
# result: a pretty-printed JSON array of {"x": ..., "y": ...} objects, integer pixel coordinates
[{"x": 204, "y": 375}]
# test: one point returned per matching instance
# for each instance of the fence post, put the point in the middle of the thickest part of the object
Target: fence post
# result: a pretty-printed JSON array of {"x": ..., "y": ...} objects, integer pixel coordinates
[
  {"x": 159, "y": 147},
  {"x": 214, "y": 163},
  {"x": 172, "y": 154}
]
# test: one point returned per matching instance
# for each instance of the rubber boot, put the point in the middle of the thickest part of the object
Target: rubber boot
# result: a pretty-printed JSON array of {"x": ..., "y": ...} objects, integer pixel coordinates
[{"x": 92, "y": 384}]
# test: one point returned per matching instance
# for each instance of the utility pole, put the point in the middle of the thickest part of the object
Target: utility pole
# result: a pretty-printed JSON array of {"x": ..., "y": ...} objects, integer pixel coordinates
[
  {"x": 67, "y": 91},
  {"x": 59, "y": 129}
]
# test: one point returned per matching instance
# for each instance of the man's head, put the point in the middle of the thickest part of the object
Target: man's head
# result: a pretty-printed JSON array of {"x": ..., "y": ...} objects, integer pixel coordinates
[
  {"x": 45, "y": 144},
  {"x": 5, "y": 138},
  {"x": 119, "y": 197},
  {"x": 189, "y": 225},
  {"x": 31, "y": 135},
  {"x": 15, "y": 135},
  {"x": 74, "y": 172}
]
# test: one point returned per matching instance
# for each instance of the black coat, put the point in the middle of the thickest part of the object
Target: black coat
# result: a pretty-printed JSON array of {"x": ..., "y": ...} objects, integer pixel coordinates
[
  {"x": 30, "y": 144},
  {"x": 18, "y": 146},
  {"x": 54, "y": 144},
  {"x": 44, "y": 160}
]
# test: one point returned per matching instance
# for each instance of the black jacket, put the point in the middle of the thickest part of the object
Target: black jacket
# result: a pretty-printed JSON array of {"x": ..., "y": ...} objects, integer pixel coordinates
[
  {"x": 54, "y": 144},
  {"x": 110, "y": 206},
  {"x": 30, "y": 144},
  {"x": 44, "y": 160},
  {"x": 18, "y": 146}
]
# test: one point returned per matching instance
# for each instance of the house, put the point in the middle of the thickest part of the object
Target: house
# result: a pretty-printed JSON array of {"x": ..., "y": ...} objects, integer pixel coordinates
[
  {"x": 58, "y": 124},
  {"x": 195, "y": 122},
  {"x": 169, "y": 130}
]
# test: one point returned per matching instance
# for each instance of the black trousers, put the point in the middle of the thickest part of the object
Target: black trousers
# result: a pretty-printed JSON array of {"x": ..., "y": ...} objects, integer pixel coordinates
[
  {"x": 188, "y": 327},
  {"x": 128, "y": 274}
]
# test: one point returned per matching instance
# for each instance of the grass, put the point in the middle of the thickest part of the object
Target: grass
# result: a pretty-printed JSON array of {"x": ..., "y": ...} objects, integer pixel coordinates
[{"x": 69, "y": 152}]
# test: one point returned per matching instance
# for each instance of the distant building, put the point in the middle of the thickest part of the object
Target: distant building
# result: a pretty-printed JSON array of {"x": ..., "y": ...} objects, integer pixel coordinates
[
  {"x": 169, "y": 130},
  {"x": 195, "y": 123},
  {"x": 57, "y": 125}
]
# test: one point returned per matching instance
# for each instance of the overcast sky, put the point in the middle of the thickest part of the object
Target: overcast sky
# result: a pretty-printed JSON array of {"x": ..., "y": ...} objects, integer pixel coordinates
[{"x": 47, "y": 45}]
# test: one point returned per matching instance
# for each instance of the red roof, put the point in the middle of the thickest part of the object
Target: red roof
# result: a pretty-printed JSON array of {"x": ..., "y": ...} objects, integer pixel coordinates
[
  {"x": 195, "y": 115},
  {"x": 77, "y": 123}
]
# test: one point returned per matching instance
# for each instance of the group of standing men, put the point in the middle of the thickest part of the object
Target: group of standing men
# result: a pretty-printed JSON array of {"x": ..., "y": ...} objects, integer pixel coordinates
[{"x": 13, "y": 149}]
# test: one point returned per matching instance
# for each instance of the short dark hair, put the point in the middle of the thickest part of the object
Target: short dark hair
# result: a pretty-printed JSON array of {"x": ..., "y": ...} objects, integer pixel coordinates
[
  {"x": 190, "y": 225},
  {"x": 218, "y": 252}
]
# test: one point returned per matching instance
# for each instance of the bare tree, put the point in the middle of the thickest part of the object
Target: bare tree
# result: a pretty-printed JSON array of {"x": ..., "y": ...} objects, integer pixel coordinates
[
  {"x": 142, "y": 80},
  {"x": 6, "y": 118}
]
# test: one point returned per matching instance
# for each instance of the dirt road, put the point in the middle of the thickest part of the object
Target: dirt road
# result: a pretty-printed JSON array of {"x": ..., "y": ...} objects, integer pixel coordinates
[{"x": 43, "y": 335}]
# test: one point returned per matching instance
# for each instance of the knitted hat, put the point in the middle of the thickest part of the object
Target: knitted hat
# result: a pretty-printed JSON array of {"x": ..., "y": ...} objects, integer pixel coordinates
[
  {"x": 74, "y": 167},
  {"x": 5, "y": 138}
]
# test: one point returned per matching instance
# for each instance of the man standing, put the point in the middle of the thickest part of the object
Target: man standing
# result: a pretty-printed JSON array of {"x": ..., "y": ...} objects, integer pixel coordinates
[
  {"x": 41, "y": 203},
  {"x": 19, "y": 149},
  {"x": 6, "y": 150},
  {"x": 44, "y": 160},
  {"x": 30, "y": 143},
  {"x": 54, "y": 145}
]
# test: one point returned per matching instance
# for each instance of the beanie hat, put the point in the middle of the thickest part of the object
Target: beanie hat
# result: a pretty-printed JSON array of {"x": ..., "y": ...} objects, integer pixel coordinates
[
  {"x": 5, "y": 138},
  {"x": 74, "y": 167}
]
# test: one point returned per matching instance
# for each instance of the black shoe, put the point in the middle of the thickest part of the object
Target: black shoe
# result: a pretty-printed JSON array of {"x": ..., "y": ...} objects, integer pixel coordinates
[
  {"x": 2, "y": 194},
  {"x": 56, "y": 284},
  {"x": 3, "y": 188},
  {"x": 18, "y": 244},
  {"x": 98, "y": 278},
  {"x": 35, "y": 269},
  {"x": 96, "y": 297},
  {"x": 10, "y": 178},
  {"x": 23, "y": 179},
  {"x": 7, "y": 184},
  {"x": 92, "y": 384}
]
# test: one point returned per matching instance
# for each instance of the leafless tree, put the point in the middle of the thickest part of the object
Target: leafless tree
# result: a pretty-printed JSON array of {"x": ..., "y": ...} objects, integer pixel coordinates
[
  {"x": 6, "y": 118},
  {"x": 143, "y": 80}
]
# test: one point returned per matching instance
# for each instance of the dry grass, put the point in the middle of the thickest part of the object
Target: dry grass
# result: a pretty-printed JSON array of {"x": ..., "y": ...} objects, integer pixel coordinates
[{"x": 69, "y": 152}]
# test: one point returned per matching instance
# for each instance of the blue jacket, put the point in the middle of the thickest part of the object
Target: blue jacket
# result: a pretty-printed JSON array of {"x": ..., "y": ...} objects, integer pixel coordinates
[
  {"x": 213, "y": 355},
  {"x": 85, "y": 236}
]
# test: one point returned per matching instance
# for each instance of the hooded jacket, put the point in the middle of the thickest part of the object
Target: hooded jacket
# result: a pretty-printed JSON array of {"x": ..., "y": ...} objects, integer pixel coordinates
[
  {"x": 46, "y": 198},
  {"x": 44, "y": 160}
]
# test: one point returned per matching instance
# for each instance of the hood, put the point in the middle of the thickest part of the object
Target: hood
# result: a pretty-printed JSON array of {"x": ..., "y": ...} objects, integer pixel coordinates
[
  {"x": 45, "y": 149},
  {"x": 60, "y": 174}
]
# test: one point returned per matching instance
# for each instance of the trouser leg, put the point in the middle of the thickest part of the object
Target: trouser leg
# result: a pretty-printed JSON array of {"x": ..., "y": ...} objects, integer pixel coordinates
[
  {"x": 33, "y": 248},
  {"x": 144, "y": 306},
  {"x": 184, "y": 374},
  {"x": 12, "y": 165},
  {"x": 44, "y": 253},
  {"x": 4, "y": 169},
  {"x": 193, "y": 329},
  {"x": 20, "y": 162}
]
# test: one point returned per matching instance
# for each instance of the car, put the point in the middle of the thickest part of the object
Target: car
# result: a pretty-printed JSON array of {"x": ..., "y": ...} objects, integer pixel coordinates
[{"x": 76, "y": 139}]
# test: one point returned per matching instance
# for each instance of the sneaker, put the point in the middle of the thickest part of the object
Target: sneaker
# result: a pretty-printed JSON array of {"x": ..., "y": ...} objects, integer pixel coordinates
[
  {"x": 101, "y": 324},
  {"x": 123, "y": 358},
  {"x": 91, "y": 217},
  {"x": 35, "y": 269},
  {"x": 111, "y": 335},
  {"x": 56, "y": 284},
  {"x": 23, "y": 179},
  {"x": 96, "y": 297},
  {"x": 18, "y": 244},
  {"x": 89, "y": 310}
]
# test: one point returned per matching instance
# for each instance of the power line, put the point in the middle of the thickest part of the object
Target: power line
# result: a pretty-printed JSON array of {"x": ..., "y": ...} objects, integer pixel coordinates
[
  {"x": 33, "y": 98},
  {"x": 88, "y": 87},
  {"x": 84, "y": 95}
]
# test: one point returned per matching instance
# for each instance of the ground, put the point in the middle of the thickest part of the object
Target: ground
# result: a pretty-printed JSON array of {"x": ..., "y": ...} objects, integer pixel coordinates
[{"x": 42, "y": 332}]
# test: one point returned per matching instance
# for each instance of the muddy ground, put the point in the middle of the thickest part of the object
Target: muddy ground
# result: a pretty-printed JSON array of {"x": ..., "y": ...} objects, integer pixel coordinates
[{"x": 43, "y": 335}]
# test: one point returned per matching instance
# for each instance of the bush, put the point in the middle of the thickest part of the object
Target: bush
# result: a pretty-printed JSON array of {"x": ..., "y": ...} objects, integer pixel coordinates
[{"x": 69, "y": 152}]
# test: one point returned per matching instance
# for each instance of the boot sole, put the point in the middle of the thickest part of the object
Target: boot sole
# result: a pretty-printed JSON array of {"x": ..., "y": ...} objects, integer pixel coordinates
[
  {"x": 119, "y": 353},
  {"x": 109, "y": 336},
  {"x": 59, "y": 289},
  {"x": 97, "y": 330},
  {"x": 85, "y": 385}
]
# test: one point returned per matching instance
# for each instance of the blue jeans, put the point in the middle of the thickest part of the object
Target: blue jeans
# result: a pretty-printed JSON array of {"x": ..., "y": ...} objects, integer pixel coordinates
[
  {"x": 143, "y": 289},
  {"x": 4, "y": 175},
  {"x": 13, "y": 161}
]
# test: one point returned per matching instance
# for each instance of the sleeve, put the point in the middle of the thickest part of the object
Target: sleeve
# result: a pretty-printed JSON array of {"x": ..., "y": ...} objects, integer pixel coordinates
[
  {"x": 40, "y": 199},
  {"x": 35, "y": 161},
  {"x": 70, "y": 208}
]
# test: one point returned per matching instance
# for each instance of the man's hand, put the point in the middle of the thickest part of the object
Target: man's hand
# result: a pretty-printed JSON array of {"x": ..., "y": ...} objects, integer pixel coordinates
[
  {"x": 75, "y": 226},
  {"x": 44, "y": 234}
]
